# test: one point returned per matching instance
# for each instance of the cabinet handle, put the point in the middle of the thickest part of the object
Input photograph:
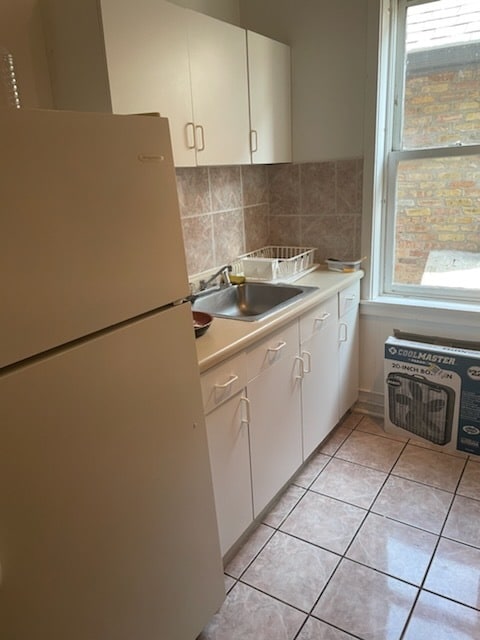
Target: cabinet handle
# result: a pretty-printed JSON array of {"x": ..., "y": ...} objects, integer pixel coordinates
[
  {"x": 199, "y": 128},
  {"x": 308, "y": 356},
  {"x": 253, "y": 136},
  {"x": 190, "y": 133},
  {"x": 278, "y": 348},
  {"x": 246, "y": 404},
  {"x": 350, "y": 298},
  {"x": 324, "y": 317},
  {"x": 302, "y": 368},
  {"x": 343, "y": 338},
  {"x": 233, "y": 378}
]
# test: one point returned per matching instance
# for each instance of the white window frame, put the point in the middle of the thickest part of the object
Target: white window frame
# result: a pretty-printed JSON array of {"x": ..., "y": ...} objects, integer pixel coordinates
[{"x": 387, "y": 154}]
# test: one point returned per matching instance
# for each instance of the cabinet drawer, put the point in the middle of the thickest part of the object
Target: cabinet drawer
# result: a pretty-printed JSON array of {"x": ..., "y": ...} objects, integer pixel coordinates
[
  {"x": 348, "y": 299},
  {"x": 318, "y": 319},
  {"x": 266, "y": 353},
  {"x": 224, "y": 381}
]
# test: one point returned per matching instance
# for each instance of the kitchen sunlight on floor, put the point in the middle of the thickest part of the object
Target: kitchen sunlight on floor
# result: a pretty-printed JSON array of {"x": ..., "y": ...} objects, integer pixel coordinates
[{"x": 376, "y": 538}]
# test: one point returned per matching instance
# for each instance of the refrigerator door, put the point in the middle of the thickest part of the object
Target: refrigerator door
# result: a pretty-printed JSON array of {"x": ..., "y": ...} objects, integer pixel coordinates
[
  {"x": 90, "y": 232},
  {"x": 107, "y": 519}
]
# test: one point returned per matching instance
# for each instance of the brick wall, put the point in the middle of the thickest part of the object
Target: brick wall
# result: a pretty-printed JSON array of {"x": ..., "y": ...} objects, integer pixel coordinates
[{"x": 438, "y": 200}]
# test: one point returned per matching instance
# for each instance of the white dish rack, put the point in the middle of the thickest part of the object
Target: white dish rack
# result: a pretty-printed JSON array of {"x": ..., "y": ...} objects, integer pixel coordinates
[{"x": 275, "y": 263}]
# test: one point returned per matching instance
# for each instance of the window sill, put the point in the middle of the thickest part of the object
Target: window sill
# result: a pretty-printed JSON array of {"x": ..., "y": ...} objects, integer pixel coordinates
[{"x": 435, "y": 311}]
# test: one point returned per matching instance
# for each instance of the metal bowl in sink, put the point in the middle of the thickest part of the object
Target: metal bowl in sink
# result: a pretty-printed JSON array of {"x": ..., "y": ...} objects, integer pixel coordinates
[{"x": 250, "y": 300}]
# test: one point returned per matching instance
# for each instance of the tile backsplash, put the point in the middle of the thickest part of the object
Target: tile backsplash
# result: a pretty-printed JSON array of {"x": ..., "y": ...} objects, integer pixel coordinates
[{"x": 231, "y": 210}]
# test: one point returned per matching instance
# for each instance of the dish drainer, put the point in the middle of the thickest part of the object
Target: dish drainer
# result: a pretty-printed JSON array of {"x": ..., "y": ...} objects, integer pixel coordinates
[{"x": 274, "y": 263}]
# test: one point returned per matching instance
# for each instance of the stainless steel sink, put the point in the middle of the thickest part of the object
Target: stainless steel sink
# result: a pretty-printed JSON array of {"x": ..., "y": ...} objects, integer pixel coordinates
[{"x": 251, "y": 300}]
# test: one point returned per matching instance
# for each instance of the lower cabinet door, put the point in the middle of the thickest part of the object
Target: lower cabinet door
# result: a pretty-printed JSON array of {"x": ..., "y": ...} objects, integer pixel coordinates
[
  {"x": 320, "y": 394},
  {"x": 275, "y": 429},
  {"x": 348, "y": 360},
  {"x": 228, "y": 444}
]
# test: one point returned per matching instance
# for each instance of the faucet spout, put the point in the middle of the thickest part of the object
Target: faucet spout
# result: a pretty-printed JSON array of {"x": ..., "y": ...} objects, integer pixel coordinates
[{"x": 223, "y": 275}]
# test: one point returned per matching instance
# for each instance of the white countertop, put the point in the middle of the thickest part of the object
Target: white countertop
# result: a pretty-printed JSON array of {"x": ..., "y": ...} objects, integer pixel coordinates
[{"x": 226, "y": 337}]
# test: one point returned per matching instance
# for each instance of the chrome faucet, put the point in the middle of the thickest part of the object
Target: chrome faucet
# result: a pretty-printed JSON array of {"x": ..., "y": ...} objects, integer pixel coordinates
[{"x": 223, "y": 276}]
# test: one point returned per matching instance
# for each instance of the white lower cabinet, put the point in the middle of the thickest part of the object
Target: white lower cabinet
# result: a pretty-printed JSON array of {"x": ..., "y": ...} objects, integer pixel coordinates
[
  {"x": 348, "y": 347},
  {"x": 224, "y": 401},
  {"x": 320, "y": 391},
  {"x": 273, "y": 391},
  {"x": 270, "y": 406}
]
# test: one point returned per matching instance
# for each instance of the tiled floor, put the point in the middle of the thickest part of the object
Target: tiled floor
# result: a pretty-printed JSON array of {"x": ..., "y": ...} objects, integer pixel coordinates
[{"x": 377, "y": 539}]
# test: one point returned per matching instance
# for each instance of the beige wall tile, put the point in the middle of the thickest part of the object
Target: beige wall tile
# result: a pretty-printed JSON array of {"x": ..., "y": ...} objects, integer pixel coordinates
[
  {"x": 228, "y": 235},
  {"x": 318, "y": 188},
  {"x": 254, "y": 184},
  {"x": 285, "y": 230},
  {"x": 284, "y": 189},
  {"x": 198, "y": 239},
  {"x": 256, "y": 227},
  {"x": 225, "y": 188},
  {"x": 193, "y": 191}
]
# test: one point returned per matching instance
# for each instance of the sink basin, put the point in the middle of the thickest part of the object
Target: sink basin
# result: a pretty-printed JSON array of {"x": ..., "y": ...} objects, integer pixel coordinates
[{"x": 251, "y": 300}]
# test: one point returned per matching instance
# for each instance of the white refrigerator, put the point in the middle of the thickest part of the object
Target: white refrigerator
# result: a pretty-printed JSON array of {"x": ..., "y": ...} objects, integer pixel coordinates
[{"x": 107, "y": 518}]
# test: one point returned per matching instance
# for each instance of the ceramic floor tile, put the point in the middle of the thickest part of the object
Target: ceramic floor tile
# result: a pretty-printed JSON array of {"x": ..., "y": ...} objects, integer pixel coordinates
[
  {"x": 430, "y": 467},
  {"x": 394, "y": 548},
  {"x": 455, "y": 573},
  {"x": 425, "y": 444},
  {"x": 372, "y": 451},
  {"x": 413, "y": 503},
  {"x": 463, "y": 522},
  {"x": 470, "y": 483},
  {"x": 311, "y": 470},
  {"x": 373, "y": 425},
  {"x": 435, "y": 618},
  {"x": 349, "y": 482},
  {"x": 229, "y": 582},
  {"x": 248, "y": 551},
  {"x": 291, "y": 570},
  {"x": 366, "y": 603},
  {"x": 351, "y": 420},
  {"x": 323, "y": 521},
  {"x": 248, "y": 614},
  {"x": 315, "y": 629},
  {"x": 335, "y": 440},
  {"x": 285, "y": 504}
]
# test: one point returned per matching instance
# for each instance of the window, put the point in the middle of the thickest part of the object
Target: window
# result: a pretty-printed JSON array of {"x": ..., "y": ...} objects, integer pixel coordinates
[{"x": 431, "y": 232}]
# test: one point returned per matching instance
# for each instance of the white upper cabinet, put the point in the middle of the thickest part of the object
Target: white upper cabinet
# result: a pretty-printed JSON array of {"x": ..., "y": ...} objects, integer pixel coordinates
[
  {"x": 146, "y": 48},
  {"x": 218, "y": 67},
  {"x": 270, "y": 99},
  {"x": 154, "y": 56}
]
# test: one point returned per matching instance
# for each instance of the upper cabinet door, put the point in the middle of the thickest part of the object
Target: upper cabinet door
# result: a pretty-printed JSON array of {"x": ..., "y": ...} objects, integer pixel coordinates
[
  {"x": 270, "y": 99},
  {"x": 218, "y": 67},
  {"x": 146, "y": 47}
]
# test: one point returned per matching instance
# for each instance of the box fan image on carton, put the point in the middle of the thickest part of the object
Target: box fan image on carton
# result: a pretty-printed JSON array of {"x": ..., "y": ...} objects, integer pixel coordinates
[{"x": 432, "y": 393}]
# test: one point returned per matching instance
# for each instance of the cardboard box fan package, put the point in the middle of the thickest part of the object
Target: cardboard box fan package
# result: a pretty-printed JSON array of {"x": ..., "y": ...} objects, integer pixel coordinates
[{"x": 432, "y": 392}]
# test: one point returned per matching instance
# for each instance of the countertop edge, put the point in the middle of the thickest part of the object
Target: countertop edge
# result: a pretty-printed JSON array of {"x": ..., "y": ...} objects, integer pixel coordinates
[{"x": 226, "y": 338}]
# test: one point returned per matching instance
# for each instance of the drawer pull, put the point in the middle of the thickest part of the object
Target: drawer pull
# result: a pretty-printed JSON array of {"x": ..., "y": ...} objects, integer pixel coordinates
[
  {"x": 324, "y": 317},
  {"x": 350, "y": 298},
  {"x": 199, "y": 129},
  {"x": 190, "y": 133},
  {"x": 278, "y": 348},
  {"x": 307, "y": 356},
  {"x": 227, "y": 384},
  {"x": 246, "y": 404},
  {"x": 302, "y": 368}
]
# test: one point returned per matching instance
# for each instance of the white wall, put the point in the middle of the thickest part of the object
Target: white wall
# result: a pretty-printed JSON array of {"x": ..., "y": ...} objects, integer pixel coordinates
[
  {"x": 227, "y": 10},
  {"x": 329, "y": 47}
]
